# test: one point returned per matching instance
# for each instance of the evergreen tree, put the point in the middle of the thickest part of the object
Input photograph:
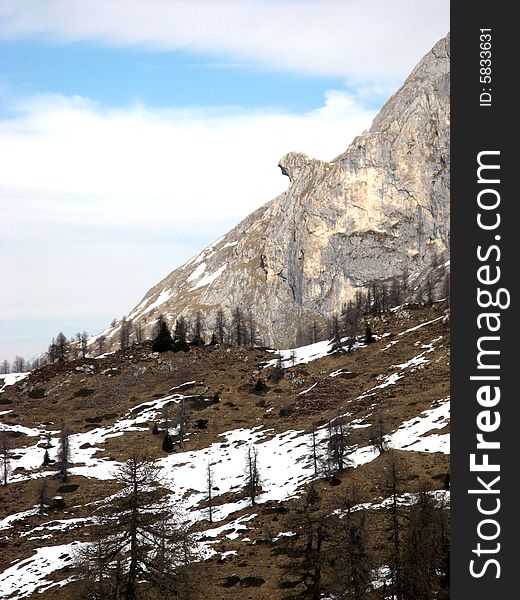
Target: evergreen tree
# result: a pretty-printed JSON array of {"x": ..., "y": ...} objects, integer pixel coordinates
[
  {"x": 278, "y": 370},
  {"x": 368, "y": 302},
  {"x": 198, "y": 330},
  {"x": 64, "y": 453},
  {"x": 376, "y": 299},
  {"x": 76, "y": 348},
  {"x": 315, "y": 455},
  {"x": 369, "y": 335},
  {"x": 335, "y": 332},
  {"x": 351, "y": 318},
  {"x": 395, "y": 293},
  {"x": 293, "y": 357},
  {"x": 62, "y": 347},
  {"x": 359, "y": 301},
  {"x": 162, "y": 341},
  {"x": 167, "y": 444},
  {"x": 315, "y": 332},
  {"x": 252, "y": 335},
  {"x": 384, "y": 297},
  {"x": 404, "y": 279},
  {"x": 46, "y": 458},
  {"x": 221, "y": 327},
  {"x": 139, "y": 334},
  {"x": 124, "y": 334},
  {"x": 260, "y": 386},
  {"x": 309, "y": 522},
  {"x": 239, "y": 327},
  {"x": 180, "y": 334}
]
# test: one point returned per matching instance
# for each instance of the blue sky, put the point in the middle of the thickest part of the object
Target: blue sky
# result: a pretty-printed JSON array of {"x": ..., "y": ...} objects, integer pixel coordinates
[
  {"x": 134, "y": 133},
  {"x": 120, "y": 77}
]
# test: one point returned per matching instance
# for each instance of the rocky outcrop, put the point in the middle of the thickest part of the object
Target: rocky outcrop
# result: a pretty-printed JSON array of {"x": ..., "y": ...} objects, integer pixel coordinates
[{"x": 379, "y": 209}]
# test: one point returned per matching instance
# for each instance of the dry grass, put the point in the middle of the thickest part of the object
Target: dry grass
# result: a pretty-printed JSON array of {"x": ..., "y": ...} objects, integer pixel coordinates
[{"x": 119, "y": 382}]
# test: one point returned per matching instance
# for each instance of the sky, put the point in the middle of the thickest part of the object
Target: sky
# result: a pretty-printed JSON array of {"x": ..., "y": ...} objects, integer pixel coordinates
[{"x": 133, "y": 133}]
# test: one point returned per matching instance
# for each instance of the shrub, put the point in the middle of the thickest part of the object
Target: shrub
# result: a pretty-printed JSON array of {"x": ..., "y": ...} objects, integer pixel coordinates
[
  {"x": 67, "y": 489},
  {"x": 260, "y": 386},
  {"x": 83, "y": 392},
  {"x": 167, "y": 444}
]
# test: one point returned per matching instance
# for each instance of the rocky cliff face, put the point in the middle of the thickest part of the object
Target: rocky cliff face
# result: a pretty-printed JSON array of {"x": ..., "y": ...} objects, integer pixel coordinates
[{"x": 377, "y": 210}]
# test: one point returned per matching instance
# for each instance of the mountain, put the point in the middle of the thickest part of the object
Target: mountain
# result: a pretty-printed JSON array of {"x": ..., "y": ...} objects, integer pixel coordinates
[
  {"x": 350, "y": 442},
  {"x": 115, "y": 407},
  {"x": 377, "y": 211}
]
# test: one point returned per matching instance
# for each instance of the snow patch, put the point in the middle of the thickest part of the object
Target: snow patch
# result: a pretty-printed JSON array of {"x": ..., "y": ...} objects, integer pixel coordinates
[
  {"x": 12, "y": 378},
  {"x": 421, "y": 325},
  {"x": 303, "y": 354},
  {"x": 411, "y": 434},
  {"x": 308, "y": 389},
  {"x": 207, "y": 279},
  {"x": 161, "y": 299},
  {"x": 407, "y": 499},
  {"x": 198, "y": 273},
  {"x": 8, "y": 521},
  {"x": 28, "y": 576},
  {"x": 339, "y": 372}
]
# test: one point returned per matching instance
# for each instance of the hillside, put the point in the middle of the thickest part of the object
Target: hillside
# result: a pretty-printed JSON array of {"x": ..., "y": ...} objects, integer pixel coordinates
[
  {"x": 112, "y": 402},
  {"x": 378, "y": 211}
]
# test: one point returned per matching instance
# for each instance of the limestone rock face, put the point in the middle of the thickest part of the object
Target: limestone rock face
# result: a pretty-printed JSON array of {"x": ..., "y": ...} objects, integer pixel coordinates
[{"x": 379, "y": 209}]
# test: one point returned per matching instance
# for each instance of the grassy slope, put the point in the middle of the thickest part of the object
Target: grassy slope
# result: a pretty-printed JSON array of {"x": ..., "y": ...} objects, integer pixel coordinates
[{"x": 119, "y": 382}]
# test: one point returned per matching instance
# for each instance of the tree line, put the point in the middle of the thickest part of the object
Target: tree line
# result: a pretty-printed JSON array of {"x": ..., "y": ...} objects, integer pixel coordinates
[
  {"x": 239, "y": 327},
  {"x": 18, "y": 365},
  {"x": 375, "y": 299}
]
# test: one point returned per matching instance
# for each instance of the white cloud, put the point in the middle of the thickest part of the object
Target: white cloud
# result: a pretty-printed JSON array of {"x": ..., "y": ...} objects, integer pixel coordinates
[
  {"x": 96, "y": 205},
  {"x": 99, "y": 204},
  {"x": 361, "y": 40},
  {"x": 178, "y": 159}
]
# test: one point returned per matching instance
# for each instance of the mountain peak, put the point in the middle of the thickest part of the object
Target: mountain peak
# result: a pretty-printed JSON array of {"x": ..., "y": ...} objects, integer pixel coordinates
[
  {"x": 292, "y": 164},
  {"x": 379, "y": 210}
]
